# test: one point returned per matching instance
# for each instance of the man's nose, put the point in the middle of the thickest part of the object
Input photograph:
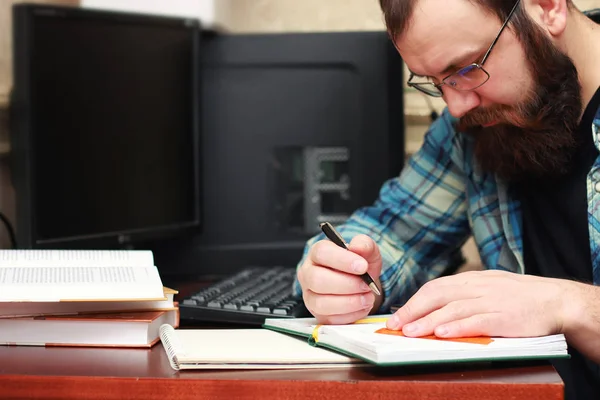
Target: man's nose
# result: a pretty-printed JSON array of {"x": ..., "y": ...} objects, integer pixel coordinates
[{"x": 459, "y": 103}]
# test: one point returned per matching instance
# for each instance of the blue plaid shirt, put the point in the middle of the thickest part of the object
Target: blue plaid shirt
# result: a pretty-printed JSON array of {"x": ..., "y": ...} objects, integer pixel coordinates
[{"x": 425, "y": 215}]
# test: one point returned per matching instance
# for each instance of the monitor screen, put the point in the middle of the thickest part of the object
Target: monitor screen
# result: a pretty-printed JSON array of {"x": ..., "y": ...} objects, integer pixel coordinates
[{"x": 106, "y": 139}]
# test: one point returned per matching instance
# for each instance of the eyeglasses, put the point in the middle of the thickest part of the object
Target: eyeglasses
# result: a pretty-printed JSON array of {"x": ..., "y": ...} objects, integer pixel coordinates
[{"x": 467, "y": 78}]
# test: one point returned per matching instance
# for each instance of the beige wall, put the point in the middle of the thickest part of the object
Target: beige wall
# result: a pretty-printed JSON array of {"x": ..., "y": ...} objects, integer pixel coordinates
[
  {"x": 587, "y": 4},
  {"x": 300, "y": 16}
]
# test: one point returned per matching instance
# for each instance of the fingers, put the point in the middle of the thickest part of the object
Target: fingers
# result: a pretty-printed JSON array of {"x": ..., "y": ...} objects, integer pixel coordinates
[
  {"x": 326, "y": 253},
  {"x": 328, "y": 306},
  {"x": 454, "y": 311},
  {"x": 492, "y": 324},
  {"x": 368, "y": 249},
  {"x": 434, "y": 295},
  {"x": 322, "y": 280},
  {"x": 488, "y": 324}
]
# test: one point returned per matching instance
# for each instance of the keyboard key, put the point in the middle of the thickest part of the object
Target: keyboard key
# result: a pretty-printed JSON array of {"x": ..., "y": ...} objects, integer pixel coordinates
[{"x": 246, "y": 297}]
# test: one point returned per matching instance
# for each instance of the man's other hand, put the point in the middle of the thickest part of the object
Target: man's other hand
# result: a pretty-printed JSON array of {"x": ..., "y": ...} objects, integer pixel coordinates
[{"x": 486, "y": 303}]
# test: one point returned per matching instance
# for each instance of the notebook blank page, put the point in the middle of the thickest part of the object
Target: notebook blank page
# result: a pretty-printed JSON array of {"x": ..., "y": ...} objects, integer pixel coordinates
[{"x": 249, "y": 346}]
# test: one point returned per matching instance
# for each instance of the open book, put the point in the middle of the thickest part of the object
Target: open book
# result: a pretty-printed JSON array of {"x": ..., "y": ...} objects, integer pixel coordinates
[
  {"x": 369, "y": 340},
  {"x": 244, "y": 349},
  {"x": 78, "y": 275}
]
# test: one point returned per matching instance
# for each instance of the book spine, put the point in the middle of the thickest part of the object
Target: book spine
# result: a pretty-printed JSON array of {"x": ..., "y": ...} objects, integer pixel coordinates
[{"x": 167, "y": 337}]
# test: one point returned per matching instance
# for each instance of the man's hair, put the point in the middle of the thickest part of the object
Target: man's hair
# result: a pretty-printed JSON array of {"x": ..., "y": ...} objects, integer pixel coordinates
[{"x": 398, "y": 13}]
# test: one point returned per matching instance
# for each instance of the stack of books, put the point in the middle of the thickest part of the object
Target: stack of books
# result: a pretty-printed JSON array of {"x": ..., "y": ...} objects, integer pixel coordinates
[{"x": 99, "y": 298}]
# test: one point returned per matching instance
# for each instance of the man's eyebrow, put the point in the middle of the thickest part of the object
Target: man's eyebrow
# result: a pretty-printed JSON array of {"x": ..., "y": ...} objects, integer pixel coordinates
[
  {"x": 461, "y": 61},
  {"x": 456, "y": 63}
]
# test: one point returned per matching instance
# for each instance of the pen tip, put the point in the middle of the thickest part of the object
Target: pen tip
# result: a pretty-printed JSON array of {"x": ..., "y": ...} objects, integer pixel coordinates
[{"x": 374, "y": 288}]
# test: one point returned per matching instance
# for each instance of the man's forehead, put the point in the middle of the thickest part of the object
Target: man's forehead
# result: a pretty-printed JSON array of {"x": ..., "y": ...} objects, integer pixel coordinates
[{"x": 438, "y": 31}]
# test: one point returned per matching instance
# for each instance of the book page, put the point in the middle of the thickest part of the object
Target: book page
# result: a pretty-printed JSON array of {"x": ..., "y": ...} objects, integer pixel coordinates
[
  {"x": 363, "y": 341},
  {"x": 65, "y": 258},
  {"x": 73, "y": 283},
  {"x": 366, "y": 336},
  {"x": 307, "y": 326},
  {"x": 245, "y": 347}
]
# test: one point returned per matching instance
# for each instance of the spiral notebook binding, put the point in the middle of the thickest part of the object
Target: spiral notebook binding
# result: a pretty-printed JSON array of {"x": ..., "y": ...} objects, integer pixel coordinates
[{"x": 167, "y": 337}]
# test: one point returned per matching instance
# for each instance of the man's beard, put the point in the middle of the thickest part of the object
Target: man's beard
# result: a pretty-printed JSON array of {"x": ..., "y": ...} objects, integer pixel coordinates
[{"x": 537, "y": 137}]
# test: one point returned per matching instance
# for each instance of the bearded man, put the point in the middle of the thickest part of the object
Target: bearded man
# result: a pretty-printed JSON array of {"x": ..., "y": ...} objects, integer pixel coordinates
[{"x": 513, "y": 161}]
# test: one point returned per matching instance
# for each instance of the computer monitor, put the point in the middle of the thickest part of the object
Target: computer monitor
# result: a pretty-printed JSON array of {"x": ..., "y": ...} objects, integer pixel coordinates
[
  {"x": 298, "y": 128},
  {"x": 105, "y": 129}
]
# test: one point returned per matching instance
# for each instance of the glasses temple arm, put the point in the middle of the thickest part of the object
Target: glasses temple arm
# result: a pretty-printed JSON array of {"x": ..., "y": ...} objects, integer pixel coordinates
[{"x": 489, "y": 50}]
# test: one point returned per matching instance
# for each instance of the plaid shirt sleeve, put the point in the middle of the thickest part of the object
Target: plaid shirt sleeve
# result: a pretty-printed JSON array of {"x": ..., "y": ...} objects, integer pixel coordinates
[{"x": 419, "y": 219}]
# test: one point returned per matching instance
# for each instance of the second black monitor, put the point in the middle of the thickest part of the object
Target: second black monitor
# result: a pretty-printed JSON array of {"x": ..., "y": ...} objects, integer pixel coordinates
[{"x": 297, "y": 129}]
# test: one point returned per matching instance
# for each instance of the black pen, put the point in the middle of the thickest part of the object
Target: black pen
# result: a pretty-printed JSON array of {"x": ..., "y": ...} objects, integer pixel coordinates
[{"x": 335, "y": 237}]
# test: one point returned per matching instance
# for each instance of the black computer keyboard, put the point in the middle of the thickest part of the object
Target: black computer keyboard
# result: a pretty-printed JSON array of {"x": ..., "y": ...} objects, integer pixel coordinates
[{"x": 247, "y": 297}]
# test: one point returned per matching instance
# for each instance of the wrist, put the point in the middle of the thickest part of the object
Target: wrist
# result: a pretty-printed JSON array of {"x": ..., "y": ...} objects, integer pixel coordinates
[{"x": 573, "y": 307}]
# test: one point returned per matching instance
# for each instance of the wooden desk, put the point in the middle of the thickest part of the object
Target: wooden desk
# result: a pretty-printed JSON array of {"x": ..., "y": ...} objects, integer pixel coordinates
[{"x": 69, "y": 373}]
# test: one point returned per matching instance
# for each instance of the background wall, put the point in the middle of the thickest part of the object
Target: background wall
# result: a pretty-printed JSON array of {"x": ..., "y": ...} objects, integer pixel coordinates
[
  {"x": 236, "y": 16},
  {"x": 203, "y": 9}
]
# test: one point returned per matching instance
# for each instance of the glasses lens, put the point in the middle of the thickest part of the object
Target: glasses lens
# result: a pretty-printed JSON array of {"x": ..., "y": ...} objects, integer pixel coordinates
[
  {"x": 468, "y": 78},
  {"x": 427, "y": 88}
]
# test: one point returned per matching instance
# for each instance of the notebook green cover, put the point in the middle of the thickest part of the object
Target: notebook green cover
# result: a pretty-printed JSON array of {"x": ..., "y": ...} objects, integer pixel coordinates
[{"x": 368, "y": 340}]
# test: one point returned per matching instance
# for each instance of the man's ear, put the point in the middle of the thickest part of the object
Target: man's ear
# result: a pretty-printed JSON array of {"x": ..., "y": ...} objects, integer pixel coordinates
[{"x": 550, "y": 15}]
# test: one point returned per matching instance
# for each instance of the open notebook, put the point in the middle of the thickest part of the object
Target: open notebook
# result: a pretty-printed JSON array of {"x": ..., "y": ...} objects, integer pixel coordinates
[
  {"x": 369, "y": 340},
  {"x": 244, "y": 349}
]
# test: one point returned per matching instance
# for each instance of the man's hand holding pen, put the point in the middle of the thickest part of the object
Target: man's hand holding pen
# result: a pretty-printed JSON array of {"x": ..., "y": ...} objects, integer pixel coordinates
[{"x": 332, "y": 286}]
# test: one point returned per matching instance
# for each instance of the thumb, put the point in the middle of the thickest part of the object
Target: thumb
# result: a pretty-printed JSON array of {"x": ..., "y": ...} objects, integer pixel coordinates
[{"x": 366, "y": 247}]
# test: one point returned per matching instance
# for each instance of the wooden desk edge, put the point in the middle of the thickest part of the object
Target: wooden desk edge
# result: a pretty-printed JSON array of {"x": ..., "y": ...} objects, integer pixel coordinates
[{"x": 90, "y": 387}]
